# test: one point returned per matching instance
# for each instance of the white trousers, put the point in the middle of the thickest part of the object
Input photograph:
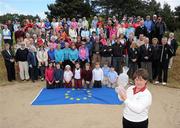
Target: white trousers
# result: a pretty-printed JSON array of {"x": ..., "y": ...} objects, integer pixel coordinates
[{"x": 23, "y": 70}]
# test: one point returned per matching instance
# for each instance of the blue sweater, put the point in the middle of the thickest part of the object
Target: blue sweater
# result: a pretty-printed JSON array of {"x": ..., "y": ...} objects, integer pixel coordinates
[
  {"x": 59, "y": 55},
  {"x": 148, "y": 24},
  {"x": 73, "y": 55},
  {"x": 66, "y": 53},
  {"x": 112, "y": 75},
  {"x": 51, "y": 55},
  {"x": 105, "y": 71}
]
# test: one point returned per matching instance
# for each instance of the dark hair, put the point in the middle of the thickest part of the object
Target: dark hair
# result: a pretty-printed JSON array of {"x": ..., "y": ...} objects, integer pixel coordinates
[
  {"x": 57, "y": 63},
  {"x": 77, "y": 63},
  {"x": 93, "y": 32},
  {"x": 141, "y": 73}
]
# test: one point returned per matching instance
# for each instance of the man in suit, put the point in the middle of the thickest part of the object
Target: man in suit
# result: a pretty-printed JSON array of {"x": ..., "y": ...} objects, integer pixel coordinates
[
  {"x": 160, "y": 28},
  {"x": 166, "y": 52},
  {"x": 33, "y": 63},
  {"x": 146, "y": 57},
  {"x": 9, "y": 62},
  {"x": 141, "y": 29}
]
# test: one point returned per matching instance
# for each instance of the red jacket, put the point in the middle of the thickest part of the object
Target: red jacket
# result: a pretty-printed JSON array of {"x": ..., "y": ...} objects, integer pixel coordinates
[
  {"x": 49, "y": 74},
  {"x": 87, "y": 75}
]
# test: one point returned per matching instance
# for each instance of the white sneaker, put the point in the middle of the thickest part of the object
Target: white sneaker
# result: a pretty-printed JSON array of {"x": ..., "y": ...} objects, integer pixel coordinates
[
  {"x": 42, "y": 79},
  {"x": 164, "y": 83},
  {"x": 156, "y": 82}
]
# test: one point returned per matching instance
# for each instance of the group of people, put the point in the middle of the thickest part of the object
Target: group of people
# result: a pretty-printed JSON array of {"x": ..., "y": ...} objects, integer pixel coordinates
[
  {"x": 61, "y": 50},
  {"x": 74, "y": 53}
]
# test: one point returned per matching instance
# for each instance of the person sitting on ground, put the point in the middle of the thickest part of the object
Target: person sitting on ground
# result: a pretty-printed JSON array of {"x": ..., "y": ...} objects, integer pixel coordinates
[
  {"x": 68, "y": 77},
  {"x": 49, "y": 76},
  {"x": 58, "y": 76}
]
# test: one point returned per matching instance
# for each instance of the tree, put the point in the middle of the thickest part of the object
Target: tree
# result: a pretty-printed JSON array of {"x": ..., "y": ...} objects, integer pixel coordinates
[
  {"x": 128, "y": 7},
  {"x": 20, "y": 17},
  {"x": 118, "y": 7},
  {"x": 177, "y": 17},
  {"x": 168, "y": 16},
  {"x": 69, "y": 8},
  {"x": 152, "y": 7}
]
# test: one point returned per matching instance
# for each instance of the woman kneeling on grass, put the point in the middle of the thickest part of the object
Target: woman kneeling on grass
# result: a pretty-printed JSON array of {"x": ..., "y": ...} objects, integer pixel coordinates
[{"x": 137, "y": 100}]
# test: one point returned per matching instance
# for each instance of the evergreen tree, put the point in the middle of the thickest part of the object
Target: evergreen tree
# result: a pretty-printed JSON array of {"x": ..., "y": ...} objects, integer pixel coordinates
[{"x": 69, "y": 8}]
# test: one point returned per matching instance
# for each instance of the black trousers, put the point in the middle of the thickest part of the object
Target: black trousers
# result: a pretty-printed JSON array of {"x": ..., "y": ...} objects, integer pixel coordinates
[
  {"x": 66, "y": 62},
  {"x": 97, "y": 84},
  {"x": 34, "y": 73},
  {"x": 42, "y": 70},
  {"x": 129, "y": 124},
  {"x": 117, "y": 63},
  {"x": 59, "y": 84},
  {"x": 155, "y": 69},
  {"x": 163, "y": 71},
  {"x": 10, "y": 71},
  {"x": 72, "y": 65},
  {"x": 82, "y": 63},
  {"x": 132, "y": 68},
  {"x": 50, "y": 86},
  {"x": 148, "y": 67}
]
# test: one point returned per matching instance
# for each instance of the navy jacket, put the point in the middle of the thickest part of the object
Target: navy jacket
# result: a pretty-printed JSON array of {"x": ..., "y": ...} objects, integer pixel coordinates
[
  {"x": 32, "y": 59},
  {"x": 58, "y": 74},
  {"x": 146, "y": 53},
  {"x": 7, "y": 56}
]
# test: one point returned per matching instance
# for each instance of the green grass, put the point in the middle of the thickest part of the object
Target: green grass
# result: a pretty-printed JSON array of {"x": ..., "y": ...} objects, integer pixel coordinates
[
  {"x": 177, "y": 36},
  {"x": 174, "y": 72}
]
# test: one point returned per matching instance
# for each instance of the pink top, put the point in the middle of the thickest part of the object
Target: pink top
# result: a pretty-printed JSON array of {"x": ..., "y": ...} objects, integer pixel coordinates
[
  {"x": 74, "y": 24},
  {"x": 113, "y": 31},
  {"x": 82, "y": 52},
  {"x": 103, "y": 41}
]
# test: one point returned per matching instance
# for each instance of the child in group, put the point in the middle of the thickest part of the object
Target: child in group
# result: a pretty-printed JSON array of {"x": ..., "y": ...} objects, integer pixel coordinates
[
  {"x": 83, "y": 54},
  {"x": 68, "y": 76},
  {"x": 58, "y": 76},
  {"x": 112, "y": 78},
  {"x": 105, "y": 69},
  {"x": 97, "y": 76},
  {"x": 77, "y": 76},
  {"x": 73, "y": 55},
  {"x": 51, "y": 54},
  {"x": 49, "y": 76},
  {"x": 87, "y": 76}
]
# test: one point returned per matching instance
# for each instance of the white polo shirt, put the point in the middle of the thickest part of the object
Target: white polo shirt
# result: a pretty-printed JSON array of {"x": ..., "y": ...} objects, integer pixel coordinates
[
  {"x": 98, "y": 74},
  {"x": 137, "y": 105}
]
